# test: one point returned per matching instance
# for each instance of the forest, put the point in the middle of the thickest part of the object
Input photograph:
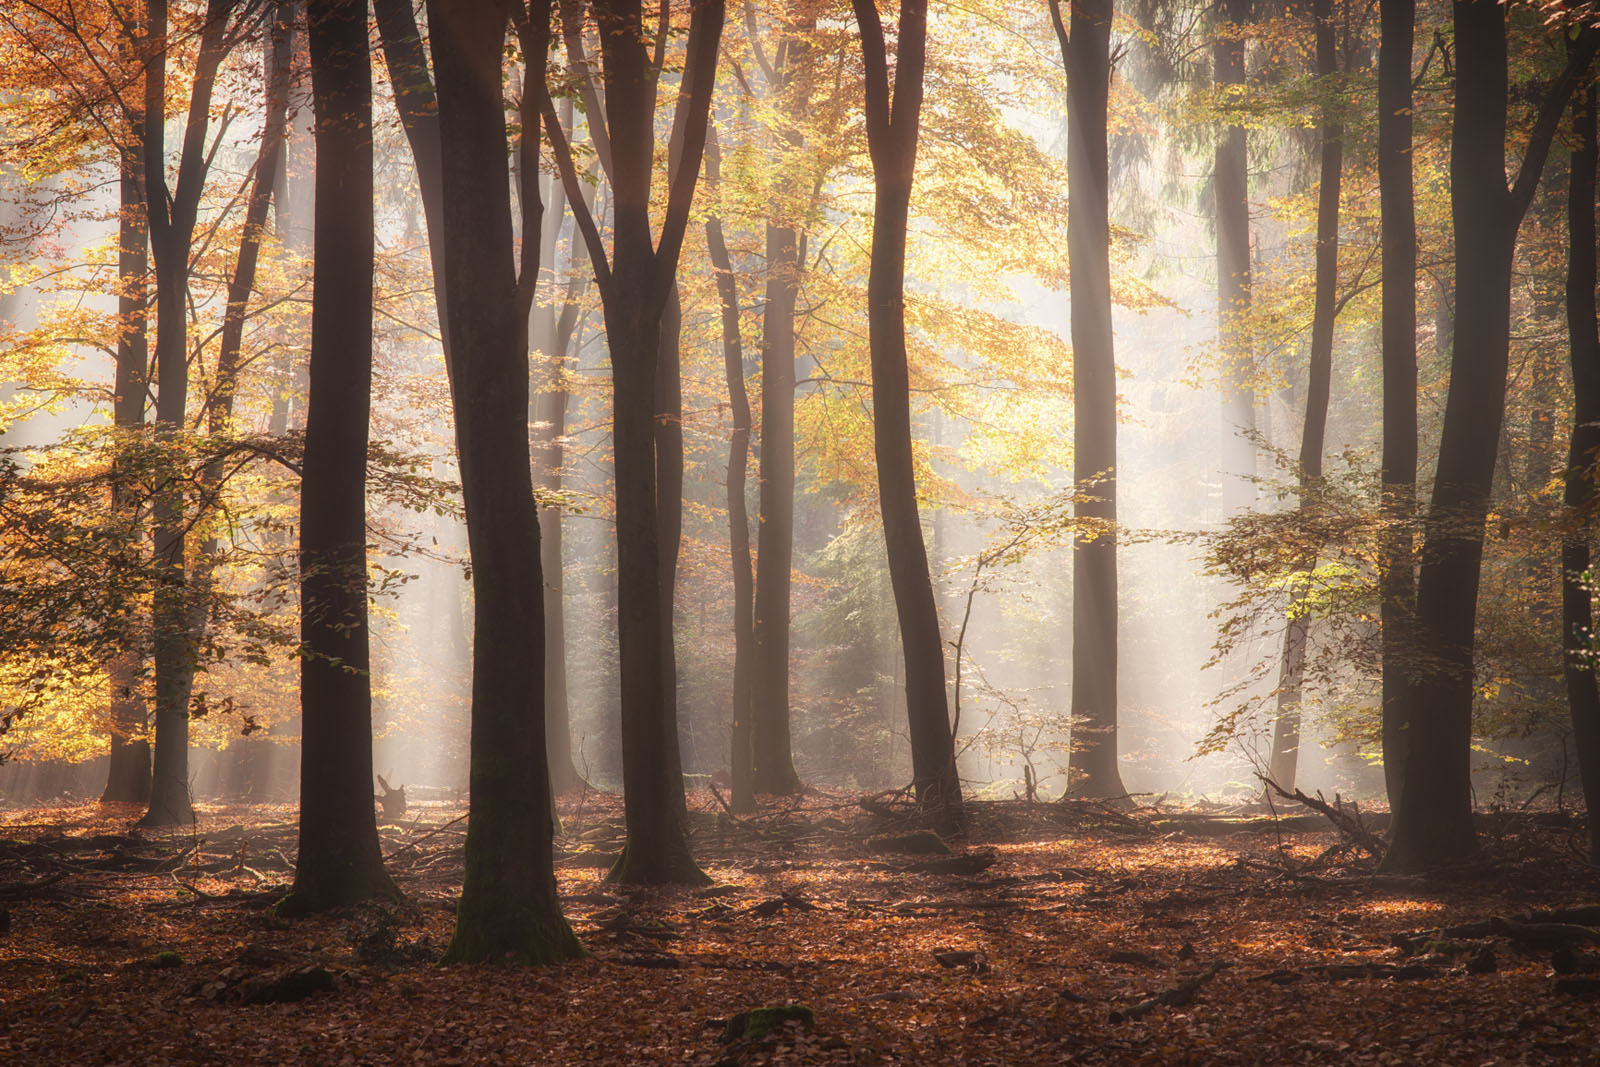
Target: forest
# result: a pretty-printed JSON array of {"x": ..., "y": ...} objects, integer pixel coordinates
[{"x": 888, "y": 532}]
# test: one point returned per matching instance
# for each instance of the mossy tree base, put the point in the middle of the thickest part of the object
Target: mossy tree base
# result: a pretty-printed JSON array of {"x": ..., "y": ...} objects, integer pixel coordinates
[
  {"x": 656, "y": 866},
  {"x": 525, "y": 936},
  {"x": 343, "y": 889}
]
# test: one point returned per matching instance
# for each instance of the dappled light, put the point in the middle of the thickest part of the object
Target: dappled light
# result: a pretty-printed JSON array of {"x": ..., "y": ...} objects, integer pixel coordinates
[{"x": 883, "y": 531}]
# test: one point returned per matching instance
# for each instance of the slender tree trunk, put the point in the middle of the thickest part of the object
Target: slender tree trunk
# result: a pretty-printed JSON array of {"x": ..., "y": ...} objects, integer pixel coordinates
[
  {"x": 1584, "y": 335},
  {"x": 171, "y": 226},
  {"x": 892, "y": 126},
  {"x": 416, "y": 101},
  {"x": 509, "y": 908},
  {"x": 788, "y": 80},
  {"x": 552, "y": 330},
  {"x": 1433, "y": 825},
  {"x": 1399, "y": 339},
  {"x": 128, "y": 773},
  {"x": 1230, "y": 187},
  {"x": 339, "y": 861},
  {"x": 1286, "y": 730},
  {"x": 634, "y": 282},
  {"x": 1087, "y": 56},
  {"x": 743, "y": 756},
  {"x": 769, "y": 721}
]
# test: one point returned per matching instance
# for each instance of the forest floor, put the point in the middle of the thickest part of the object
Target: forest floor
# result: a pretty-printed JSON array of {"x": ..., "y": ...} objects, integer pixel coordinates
[{"x": 1059, "y": 922}]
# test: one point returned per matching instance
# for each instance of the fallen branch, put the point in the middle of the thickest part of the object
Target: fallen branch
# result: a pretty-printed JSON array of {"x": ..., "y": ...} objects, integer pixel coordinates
[
  {"x": 431, "y": 833},
  {"x": 1349, "y": 824},
  {"x": 1176, "y": 997}
]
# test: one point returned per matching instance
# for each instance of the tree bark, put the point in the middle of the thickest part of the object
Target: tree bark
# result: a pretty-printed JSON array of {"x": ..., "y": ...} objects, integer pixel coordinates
[
  {"x": 509, "y": 908},
  {"x": 634, "y": 281},
  {"x": 1583, "y": 694},
  {"x": 1297, "y": 625},
  {"x": 171, "y": 225},
  {"x": 339, "y": 862},
  {"x": 787, "y": 81},
  {"x": 1397, "y": 580},
  {"x": 743, "y": 755},
  {"x": 128, "y": 773},
  {"x": 1433, "y": 825},
  {"x": 551, "y": 331},
  {"x": 769, "y": 723},
  {"x": 892, "y": 127},
  {"x": 1086, "y": 52},
  {"x": 1230, "y": 187}
]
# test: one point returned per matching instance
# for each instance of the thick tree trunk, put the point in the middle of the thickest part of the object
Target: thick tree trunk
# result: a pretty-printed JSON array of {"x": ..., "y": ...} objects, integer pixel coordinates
[
  {"x": 669, "y": 508},
  {"x": 1584, "y": 336},
  {"x": 339, "y": 861},
  {"x": 509, "y": 908},
  {"x": 769, "y": 723},
  {"x": 1399, "y": 338},
  {"x": 1297, "y": 626},
  {"x": 656, "y": 849},
  {"x": 743, "y": 754},
  {"x": 1086, "y": 54},
  {"x": 1433, "y": 825},
  {"x": 128, "y": 772},
  {"x": 892, "y": 126},
  {"x": 1230, "y": 188}
]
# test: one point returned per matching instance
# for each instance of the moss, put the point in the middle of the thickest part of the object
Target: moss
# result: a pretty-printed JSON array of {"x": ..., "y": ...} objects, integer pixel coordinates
[
  {"x": 291, "y": 987},
  {"x": 757, "y": 1023},
  {"x": 917, "y": 843},
  {"x": 166, "y": 958},
  {"x": 674, "y": 866}
]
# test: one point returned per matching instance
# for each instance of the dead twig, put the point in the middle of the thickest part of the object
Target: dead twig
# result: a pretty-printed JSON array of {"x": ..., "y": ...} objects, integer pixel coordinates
[{"x": 1176, "y": 997}]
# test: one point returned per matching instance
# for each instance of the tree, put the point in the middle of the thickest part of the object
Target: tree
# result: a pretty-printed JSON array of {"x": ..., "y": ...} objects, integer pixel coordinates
[
  {"x": 785, "y": 73},
  {"x": 1230, "y": 190},
  {"x": 172, "y": 214},
  {"x": 1330, "y": 142},
  {"x": 1433, "y": 825},
  {"x": 508, "y": 906},
  {"x": 635, "y": 280},
  {"x": 892, "y": 118},
  {"x": 1583, "y": 335},
  {"x": 1086, "y": 53},
  {"x": 339, "y": 861},
  {"x": 128, "y": 770},
  {"x": 1399, "y": 340},
  {"x": 743, "y": 751}
]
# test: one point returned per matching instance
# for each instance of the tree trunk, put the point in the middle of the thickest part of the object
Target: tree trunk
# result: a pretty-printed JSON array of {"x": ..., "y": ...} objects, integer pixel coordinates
[
  {"x": 128, "y": 772},
  {"x": 892, "y": 127},
  {"x": 1297, "y": 626},
  {"x": 552, "y": 331},
  {"x": 1434, "y": 823},
  {"x": 669, "y": 511},
  {"x": 1230, "y": 187},
  {"x": 743, "y": 755},
  {"x": 509, "y": 908},
  {"x": 769, "y": 721},
  {"x": 1087, "y": 56},
  {"x": 339, "y": 861},
  {"x": 634, "y": 282},
  {"x": 171, "y": 226},
  {"x": 1399, "y": 339},
  {"x": 1584, "y": 336}
]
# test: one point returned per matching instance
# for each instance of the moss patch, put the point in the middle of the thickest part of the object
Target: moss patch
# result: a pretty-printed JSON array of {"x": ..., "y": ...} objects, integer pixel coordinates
[{"x": 757, "y": 1023}]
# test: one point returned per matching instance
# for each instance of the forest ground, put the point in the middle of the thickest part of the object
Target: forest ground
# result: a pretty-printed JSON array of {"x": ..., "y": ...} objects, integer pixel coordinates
[{"x": 128, "y": 947}]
